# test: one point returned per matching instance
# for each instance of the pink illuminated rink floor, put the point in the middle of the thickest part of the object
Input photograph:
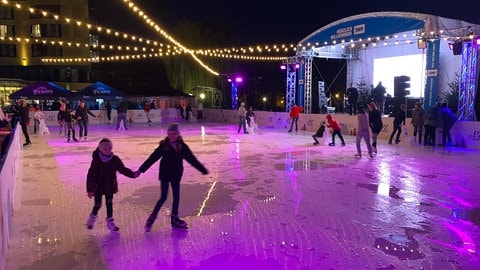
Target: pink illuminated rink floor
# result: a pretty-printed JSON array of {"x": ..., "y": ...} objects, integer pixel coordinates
[{"x": 272, "y": 200}]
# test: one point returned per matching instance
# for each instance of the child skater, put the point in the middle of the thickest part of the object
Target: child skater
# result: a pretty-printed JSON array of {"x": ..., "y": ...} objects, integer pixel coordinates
[
  {"x": 335, "y": 126},
  {"x": 102, "y": 181},
  {"x": 319, "y": 133},
  {"x": 68, "y": 118},
  {"x": 172, "y": 151}
]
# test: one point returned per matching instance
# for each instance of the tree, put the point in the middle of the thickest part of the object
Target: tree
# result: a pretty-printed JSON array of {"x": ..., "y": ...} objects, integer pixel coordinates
[{"x": 451, "y": 97}]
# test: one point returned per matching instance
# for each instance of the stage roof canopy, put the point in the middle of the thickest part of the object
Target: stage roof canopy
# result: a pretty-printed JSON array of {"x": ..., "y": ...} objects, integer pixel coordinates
[{"x": 380, "y": 26}]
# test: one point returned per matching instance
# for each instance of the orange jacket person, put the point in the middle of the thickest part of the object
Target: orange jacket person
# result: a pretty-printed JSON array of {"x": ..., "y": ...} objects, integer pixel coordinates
[{"x": 294, "y": 114}]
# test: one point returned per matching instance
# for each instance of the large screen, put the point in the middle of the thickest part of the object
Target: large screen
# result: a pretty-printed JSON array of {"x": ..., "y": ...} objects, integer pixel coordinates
[{"x": 385, "y": 69}]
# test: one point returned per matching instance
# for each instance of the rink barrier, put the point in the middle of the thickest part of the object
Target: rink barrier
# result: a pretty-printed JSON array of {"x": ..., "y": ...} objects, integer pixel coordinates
[
  {"x": 8, "y": 180},
  {"x": 464, "y": 133}
]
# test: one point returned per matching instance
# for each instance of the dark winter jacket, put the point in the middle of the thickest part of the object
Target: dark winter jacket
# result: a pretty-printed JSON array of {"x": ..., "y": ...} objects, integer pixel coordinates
[
  {"x": 24, "y": 114},
  {"x": 102, "y": 176},
  {"x": 122, "y": 108},
  {"x": 399, "y": 118},
  {"x": 320, "y": 131},
  {"x": 62, "y": 116},
  {"x": 375, "y": 121},
  {"x": 171, "y": 165},
  {"x": 83, "y": 113}
]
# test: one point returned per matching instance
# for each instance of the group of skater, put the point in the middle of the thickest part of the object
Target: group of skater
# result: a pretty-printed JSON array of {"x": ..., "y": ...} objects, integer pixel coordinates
[
  {"x": 438, "y": 116},
  {"x": 67, "y": 117},
  {"x": 369, "y": 124},
  {"x": 102, "y": 177}
]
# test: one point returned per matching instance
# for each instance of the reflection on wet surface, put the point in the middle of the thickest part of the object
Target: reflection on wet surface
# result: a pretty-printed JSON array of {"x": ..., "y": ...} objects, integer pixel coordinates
[
  {"x": 400, "y": 246},
  {"x": 382, "y": 189},
  {"x": 267, "y": 203},
  {"x": 472, "y": 215}
]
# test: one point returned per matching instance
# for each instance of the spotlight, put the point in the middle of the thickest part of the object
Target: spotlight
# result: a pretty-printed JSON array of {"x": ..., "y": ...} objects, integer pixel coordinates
[
  {"x": 297, "y": 66},
  {"x": 238, "y": 79},
  {"x": 478, "y": 41},
  {"x": 283, "y": 67}
]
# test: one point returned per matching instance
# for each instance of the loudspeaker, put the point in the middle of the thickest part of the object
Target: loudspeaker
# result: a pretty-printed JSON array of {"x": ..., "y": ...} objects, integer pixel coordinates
[{"x": 457, "y": 48}]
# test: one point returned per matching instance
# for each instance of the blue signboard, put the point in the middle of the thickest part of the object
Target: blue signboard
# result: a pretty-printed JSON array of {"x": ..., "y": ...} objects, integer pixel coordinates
[
  {"x": 431, "y": 84},
  {"x": 364, "y": 28}
]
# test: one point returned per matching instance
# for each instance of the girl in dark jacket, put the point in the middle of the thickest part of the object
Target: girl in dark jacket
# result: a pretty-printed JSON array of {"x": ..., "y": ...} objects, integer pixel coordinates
[
  {"x": 102, "y": 181},
  {"x": 172, "y": 150}
]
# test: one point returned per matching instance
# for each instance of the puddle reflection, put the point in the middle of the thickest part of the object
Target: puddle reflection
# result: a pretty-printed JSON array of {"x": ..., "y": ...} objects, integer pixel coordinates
[
  {"x": 382, "y": 189},
  {"x": 472, "y": 215}
]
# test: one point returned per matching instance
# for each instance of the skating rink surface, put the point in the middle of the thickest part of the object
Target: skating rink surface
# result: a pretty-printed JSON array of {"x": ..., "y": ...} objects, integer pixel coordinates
[{"x": 272, "y": 200}]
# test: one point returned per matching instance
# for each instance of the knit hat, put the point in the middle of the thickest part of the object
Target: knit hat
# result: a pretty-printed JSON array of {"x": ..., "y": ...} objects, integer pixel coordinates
[
  {"x": 173, "y": 127},
  {"x": 105, "y": 143}
]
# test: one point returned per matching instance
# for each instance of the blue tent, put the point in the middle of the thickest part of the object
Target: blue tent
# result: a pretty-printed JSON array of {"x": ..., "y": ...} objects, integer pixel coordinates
[
  {"x": 41, "y": 90},
  {"x": 100, "y": 90}
]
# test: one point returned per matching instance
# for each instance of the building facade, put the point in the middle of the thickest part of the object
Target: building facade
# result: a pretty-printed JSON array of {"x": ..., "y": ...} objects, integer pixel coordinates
[{"x": 33, "y": 31}]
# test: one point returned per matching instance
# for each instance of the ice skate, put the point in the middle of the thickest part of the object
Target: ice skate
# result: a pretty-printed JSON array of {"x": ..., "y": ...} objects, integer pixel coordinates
[
  {"x": 111, "y": 226},
  {"x": 331, "y": 144},
  {"x": 91, "y": 221},
  {"x": 178, "y": 223},
  {"x": 149, "y": 223}
]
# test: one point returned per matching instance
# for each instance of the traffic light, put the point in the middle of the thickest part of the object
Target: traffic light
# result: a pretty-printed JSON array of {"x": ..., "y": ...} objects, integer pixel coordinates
[{"x": 401, "y": 87}]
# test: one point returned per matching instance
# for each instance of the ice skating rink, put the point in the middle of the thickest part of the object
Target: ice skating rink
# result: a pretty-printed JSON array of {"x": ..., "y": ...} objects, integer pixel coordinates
[{"x": 272, "y": 200}]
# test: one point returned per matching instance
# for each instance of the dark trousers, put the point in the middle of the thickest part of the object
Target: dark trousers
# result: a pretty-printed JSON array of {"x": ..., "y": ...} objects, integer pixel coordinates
[
  {"x": 446, "y": 137},
  {"x": 199, "y": 115},
  {"x": 294, "y": 120},
  {"x": 108, "y": 204},
  {"x": 315, "y": 138},
  {"x": 337, "y": 132},
  {"x": 396, "y": 129},
  {"x": 70, "y": 129},
  {"x": 430, "y": 135},
  {"x": 83, "y": 130},
  {"x": 163, "y": 197},
  {"x": 25, "y": 131},
  {"x": 353, "y": 107},
  {"x": 109, "y": 115},
  {"x": 242, "y": 122}
]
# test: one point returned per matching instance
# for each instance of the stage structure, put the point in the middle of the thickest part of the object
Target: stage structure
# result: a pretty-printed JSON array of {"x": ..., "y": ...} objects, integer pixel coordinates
[{"x": 364, "y": 38}]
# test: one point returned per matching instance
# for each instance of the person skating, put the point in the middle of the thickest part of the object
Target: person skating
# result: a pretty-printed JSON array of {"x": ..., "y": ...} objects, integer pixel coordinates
[
  {"x": 102, "y": 181},
  {"x": 336, "y": 129},
  {"x": 172, "y": 151}
]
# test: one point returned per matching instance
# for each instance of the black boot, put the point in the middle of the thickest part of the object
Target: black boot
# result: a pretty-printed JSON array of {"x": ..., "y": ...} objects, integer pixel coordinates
[
  {"x": 149, "y": 223},
  {"x": 178, "y": 223}
]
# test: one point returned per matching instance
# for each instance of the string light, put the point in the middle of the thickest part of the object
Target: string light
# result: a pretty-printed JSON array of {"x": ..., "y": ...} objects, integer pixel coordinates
[{"x": 254, "y": 53}]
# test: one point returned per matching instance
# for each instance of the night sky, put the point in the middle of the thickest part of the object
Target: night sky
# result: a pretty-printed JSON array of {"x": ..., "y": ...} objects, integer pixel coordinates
[
  {"x": 266, "y": 22},
  {"x": 249, "y": 23}
]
